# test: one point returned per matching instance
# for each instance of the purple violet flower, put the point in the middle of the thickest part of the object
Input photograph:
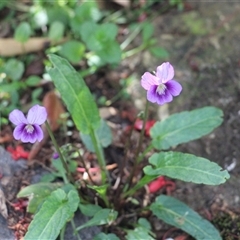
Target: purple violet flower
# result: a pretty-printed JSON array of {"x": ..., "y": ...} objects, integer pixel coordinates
[
  {"x": 28, "y": 129},
  {"x": 161, "y": 88}
]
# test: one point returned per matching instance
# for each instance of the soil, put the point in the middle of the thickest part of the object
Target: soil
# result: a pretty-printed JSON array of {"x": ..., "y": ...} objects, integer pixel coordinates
[{"x": 203, "y": 44}]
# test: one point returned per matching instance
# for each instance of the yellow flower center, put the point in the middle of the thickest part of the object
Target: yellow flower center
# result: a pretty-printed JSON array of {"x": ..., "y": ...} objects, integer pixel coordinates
[
  {"x": 29, "y": 128},
  {"x": 161, "y": 89}
]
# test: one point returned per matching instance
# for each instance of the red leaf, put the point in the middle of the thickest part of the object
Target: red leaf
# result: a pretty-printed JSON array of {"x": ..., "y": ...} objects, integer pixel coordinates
[
  {"x": 18, "y": 152},
  {"x": 139, "y": 124},
  {"x": 159, "y": 183}
]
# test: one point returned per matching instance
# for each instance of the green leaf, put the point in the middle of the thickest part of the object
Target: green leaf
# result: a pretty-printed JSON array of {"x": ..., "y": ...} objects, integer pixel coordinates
[
  {"x": 103, "y": 134},
  {"x": 104, "y": 216},
  {"x": 22, "y": 32},
  {"x": 75, "y": 94},
  {"x": 100, "y": 38},
  {"x": 147, "y": 31},
  {"x": 57, "y": 164},
  {"x": 89, "y": 209},
  {"x": 32, "y": 81},
  {"x": 12, "y": 87},
  {"x": 186, "y": 167},
  {"x": 49, "y": 177},
  {"x": 54, "y": 213},
  {"x": 87, "y": 11},
  {"x": 37, "y": 193},
  {"x": 3, "y": 3},
  {"x": 104, "y": 236},
  {"x": 159, "y": 52},
  {"x": 18, "y": 67},
  {"x": 56, "y": 31},
  {"x": 111, "y": 53},
  {"x": 106, "y": 31},
  {"x": 87, "y": 30},
  {"x": 142, "y": 182},
  {"x": 185, "y": 126},
  {"x": 142, "y": 231},
  {"x": 144, "y": 223},
  {"x": 181, "y": 216},
  {"x": 101, "y": 190},
  {"x": 57, "y": 14},
  {"x": 36, "y": 93},
  {"x": 73, "y": 51}
]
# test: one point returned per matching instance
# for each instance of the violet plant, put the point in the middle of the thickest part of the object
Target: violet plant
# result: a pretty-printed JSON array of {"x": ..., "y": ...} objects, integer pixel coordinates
[{"x": 53, "y": 204}]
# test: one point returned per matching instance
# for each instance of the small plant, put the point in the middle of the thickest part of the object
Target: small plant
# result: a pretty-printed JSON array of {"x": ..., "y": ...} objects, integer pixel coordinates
[{"x": 54, "y": 204}]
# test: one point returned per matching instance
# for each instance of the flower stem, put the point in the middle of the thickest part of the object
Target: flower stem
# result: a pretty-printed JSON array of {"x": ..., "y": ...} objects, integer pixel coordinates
[
  {"x": 136, "y": 159},
  {"x": 75, "y": 229},
  {"x": 60, "y": 155},
  {"x": 142, "y": 155},
  {"x": 123, "y": 165},
  {"x": 100, "y": 156}
]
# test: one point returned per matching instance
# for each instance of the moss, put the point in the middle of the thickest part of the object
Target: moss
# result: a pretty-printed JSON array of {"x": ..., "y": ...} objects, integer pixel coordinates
[{"x": 228, "y": 226}]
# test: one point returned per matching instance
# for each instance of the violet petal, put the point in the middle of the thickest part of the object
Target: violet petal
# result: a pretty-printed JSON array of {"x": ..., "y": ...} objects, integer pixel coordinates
[
  {"x": 174, "y": 87},
  {"x": 28, "y": 137},
  {"x": 148, "y": 80},
  {"x": 17, "y": 117},
  {"x": 164, "y": 98},
  {"x": 151, "y": 94},
  {"x": 37, "y": 115},
  {"x": 165, "y": 72},
  {"x": 38, "y": 132},
  {"x": 17, "y": 133}
]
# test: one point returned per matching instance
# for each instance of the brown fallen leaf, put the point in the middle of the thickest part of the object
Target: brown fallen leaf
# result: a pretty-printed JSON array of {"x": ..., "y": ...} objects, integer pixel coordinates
[
  {"x": 6, "y": 138},
  {"x": 11, "y": 47},
  {"x": 54, "y": 109}
]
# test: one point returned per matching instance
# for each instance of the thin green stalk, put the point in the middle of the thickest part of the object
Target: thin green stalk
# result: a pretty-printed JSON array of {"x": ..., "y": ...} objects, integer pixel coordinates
[
  {"x": 100, "y": 156},
  {"x": 62, "y": 232},
  {"x": 75, "y": 229},
  {"x": 139, "y": 145},
  {"x": 142, "y": 130},
  {"x": 134, "y": 51},
  {"x": 124, "y": 161},
  {"x": 131, "y": 37},
  {"x": 66, "y": 180},
  {"x": 115, "y": 98},
  {"x": 142, "y": 155},
  {"x": 139, "y": 185}
]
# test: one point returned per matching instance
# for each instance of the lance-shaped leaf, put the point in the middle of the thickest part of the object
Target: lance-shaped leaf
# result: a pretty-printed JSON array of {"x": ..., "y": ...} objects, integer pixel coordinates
[
  {"x": 110, "y": 236},
  {"x": 103, "y": 216},
  {"x": 181, "y": 216},
  {"x": 185, "y": 126},
  {"x": 141, "y": 231},
  {"x": 103, "y": 134},
  {"x": 186, "y": 167},
  {"x": 75, "y": 94},
  {"x": 37, "y": 193},
  {"x": 54, "y": 213}
]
